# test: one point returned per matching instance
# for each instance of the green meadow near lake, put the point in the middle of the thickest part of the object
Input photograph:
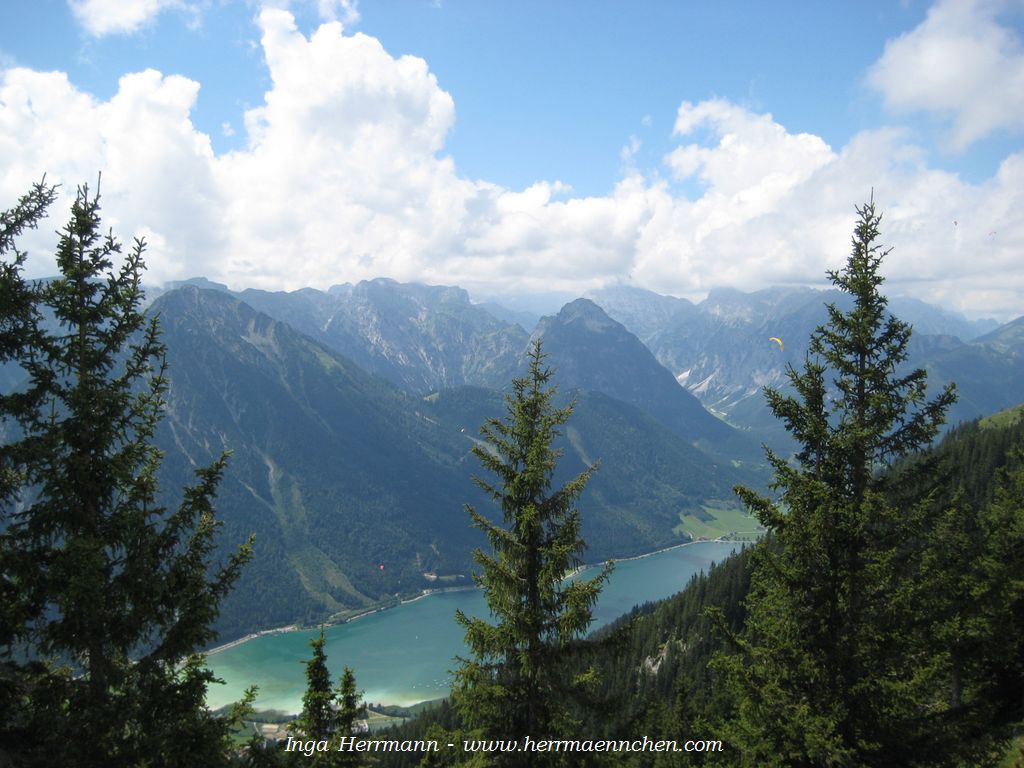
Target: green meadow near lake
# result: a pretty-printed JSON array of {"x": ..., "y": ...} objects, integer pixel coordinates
[{"x": 402, "y": 655}]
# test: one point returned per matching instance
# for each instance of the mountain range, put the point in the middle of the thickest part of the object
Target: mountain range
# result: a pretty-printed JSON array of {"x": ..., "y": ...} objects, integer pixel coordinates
[
  {"x": 720, "y": 349},
  {"x": 355, "y": 487},
  {"x": 351, "y": 413}
]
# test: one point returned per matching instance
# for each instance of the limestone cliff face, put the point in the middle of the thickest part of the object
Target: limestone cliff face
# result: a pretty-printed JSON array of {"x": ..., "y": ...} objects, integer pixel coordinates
[{"x": 421, "y": 338}]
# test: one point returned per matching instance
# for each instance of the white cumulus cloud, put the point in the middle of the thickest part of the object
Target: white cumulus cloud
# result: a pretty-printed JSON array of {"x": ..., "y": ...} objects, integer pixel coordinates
[
  {"x": 345, "y": 11},
  {"x": 342, "y": 175},
  {"x": 961, "y": 64},
  {"x": 104, "y": 17},
  {"x": 157, "y": 169}
]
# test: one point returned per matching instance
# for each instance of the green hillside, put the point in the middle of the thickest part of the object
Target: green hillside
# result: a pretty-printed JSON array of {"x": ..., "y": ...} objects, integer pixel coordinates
[
  {"x": 331, "y": 467},
  {"x": 1004, "y": 418}
]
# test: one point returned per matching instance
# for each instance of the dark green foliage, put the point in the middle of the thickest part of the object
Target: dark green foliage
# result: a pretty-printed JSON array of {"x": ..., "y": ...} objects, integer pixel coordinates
[
  {"x": 1003, "y": 576},
  {"x": 654, "y": 680},
  {"x": 959, "y": 594},
  {"x": 515, "y": 684},
  {"x": 17, "y": 318},
  {"x": 114, "y": 591},
  {"x": 317, "y": 720},
  {"x": 958, "y": 599},
  {"x": 654, "y": 662},
  {"x": 328, "y": 713},
  {"x": 966, "y": 462},
  {"x": 292, "y": 411},
  {"x": 963, "y": 596},
  {"x": 648, "y": 476},
  {"x": 823, "y": 675},
  {"x": 350, "y": 709}
]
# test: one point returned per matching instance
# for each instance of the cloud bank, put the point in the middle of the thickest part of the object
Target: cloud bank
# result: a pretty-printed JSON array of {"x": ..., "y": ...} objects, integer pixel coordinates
[{"x": 344, "y": 176}]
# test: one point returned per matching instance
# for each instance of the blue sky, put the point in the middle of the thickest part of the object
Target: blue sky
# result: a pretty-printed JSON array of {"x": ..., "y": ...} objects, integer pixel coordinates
[{"x": 531, "y": 146}]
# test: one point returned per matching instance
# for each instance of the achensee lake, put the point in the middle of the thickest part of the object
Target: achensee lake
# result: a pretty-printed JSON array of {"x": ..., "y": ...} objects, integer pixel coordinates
[{"x": 403, "y": 655}]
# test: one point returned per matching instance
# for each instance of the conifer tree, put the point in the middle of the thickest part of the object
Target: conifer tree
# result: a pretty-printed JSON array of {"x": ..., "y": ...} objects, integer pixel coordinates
[
  {"x": 328, "y": 713},
  {"x": 965, "y": 599},
  {"x": 1003, "y": 524},
  {"x": 515, "y": 683},
  {"x": 350, "y": 709},
  {"x": 317, "y": 721},
  {"x": 115, "y": 591},
  {"x": 819, "y": 678}
]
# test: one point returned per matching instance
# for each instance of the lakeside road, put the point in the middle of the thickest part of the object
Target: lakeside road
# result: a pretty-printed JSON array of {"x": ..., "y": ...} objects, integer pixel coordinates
[
  {"x": 251, "y": 636},
  {"x": 445, "y": 590}
]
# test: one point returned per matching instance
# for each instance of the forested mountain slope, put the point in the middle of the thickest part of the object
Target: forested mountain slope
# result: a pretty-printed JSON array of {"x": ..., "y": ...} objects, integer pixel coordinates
[
  {"x": 355, "y": 488},
  {"x": 331, "y": 467}
]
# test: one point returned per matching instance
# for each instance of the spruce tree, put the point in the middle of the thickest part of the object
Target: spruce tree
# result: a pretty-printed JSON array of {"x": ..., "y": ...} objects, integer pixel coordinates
[
  {"x": 116, "y": 593},
  {"x": 328, "y": 713},
  {"x": 819, "y": 677},
  {"x": 350, "y": 709},
  {"x": 515, "y": 684},
  {"x": 317, "y": 720},
  {"x": 1003, "y": 526},
  {"x": 965, "y": 601}
]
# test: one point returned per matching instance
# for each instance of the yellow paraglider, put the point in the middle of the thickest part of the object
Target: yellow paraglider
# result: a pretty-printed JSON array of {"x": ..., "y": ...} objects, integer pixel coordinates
[{"x": 778, "y": 341}]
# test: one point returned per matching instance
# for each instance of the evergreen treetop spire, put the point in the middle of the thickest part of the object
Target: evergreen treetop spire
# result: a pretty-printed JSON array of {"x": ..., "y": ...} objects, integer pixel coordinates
[
  {"x": 819, "y": 681},
  {"x": 515, "y": 684}
]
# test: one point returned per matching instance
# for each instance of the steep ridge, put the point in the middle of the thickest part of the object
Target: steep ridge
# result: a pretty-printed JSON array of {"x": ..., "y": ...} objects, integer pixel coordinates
[
  {"x": 592, "y": 351},
  {"x": 648, "y": 482},
  {"x": 352, "y": 494},
  {"x": 988, "y": 371}
]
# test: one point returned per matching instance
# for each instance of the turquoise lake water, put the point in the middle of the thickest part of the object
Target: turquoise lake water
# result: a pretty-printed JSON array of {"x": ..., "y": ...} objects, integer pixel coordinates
[{"x": 402, "y": 655}]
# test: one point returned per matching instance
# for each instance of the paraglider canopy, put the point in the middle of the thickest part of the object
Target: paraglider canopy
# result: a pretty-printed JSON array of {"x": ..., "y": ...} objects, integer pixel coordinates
[{"x": 778, "y": 341}]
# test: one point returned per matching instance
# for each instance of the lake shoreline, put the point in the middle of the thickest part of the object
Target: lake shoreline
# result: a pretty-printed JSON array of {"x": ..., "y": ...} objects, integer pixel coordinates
[{"x": 443, "y": 590}]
